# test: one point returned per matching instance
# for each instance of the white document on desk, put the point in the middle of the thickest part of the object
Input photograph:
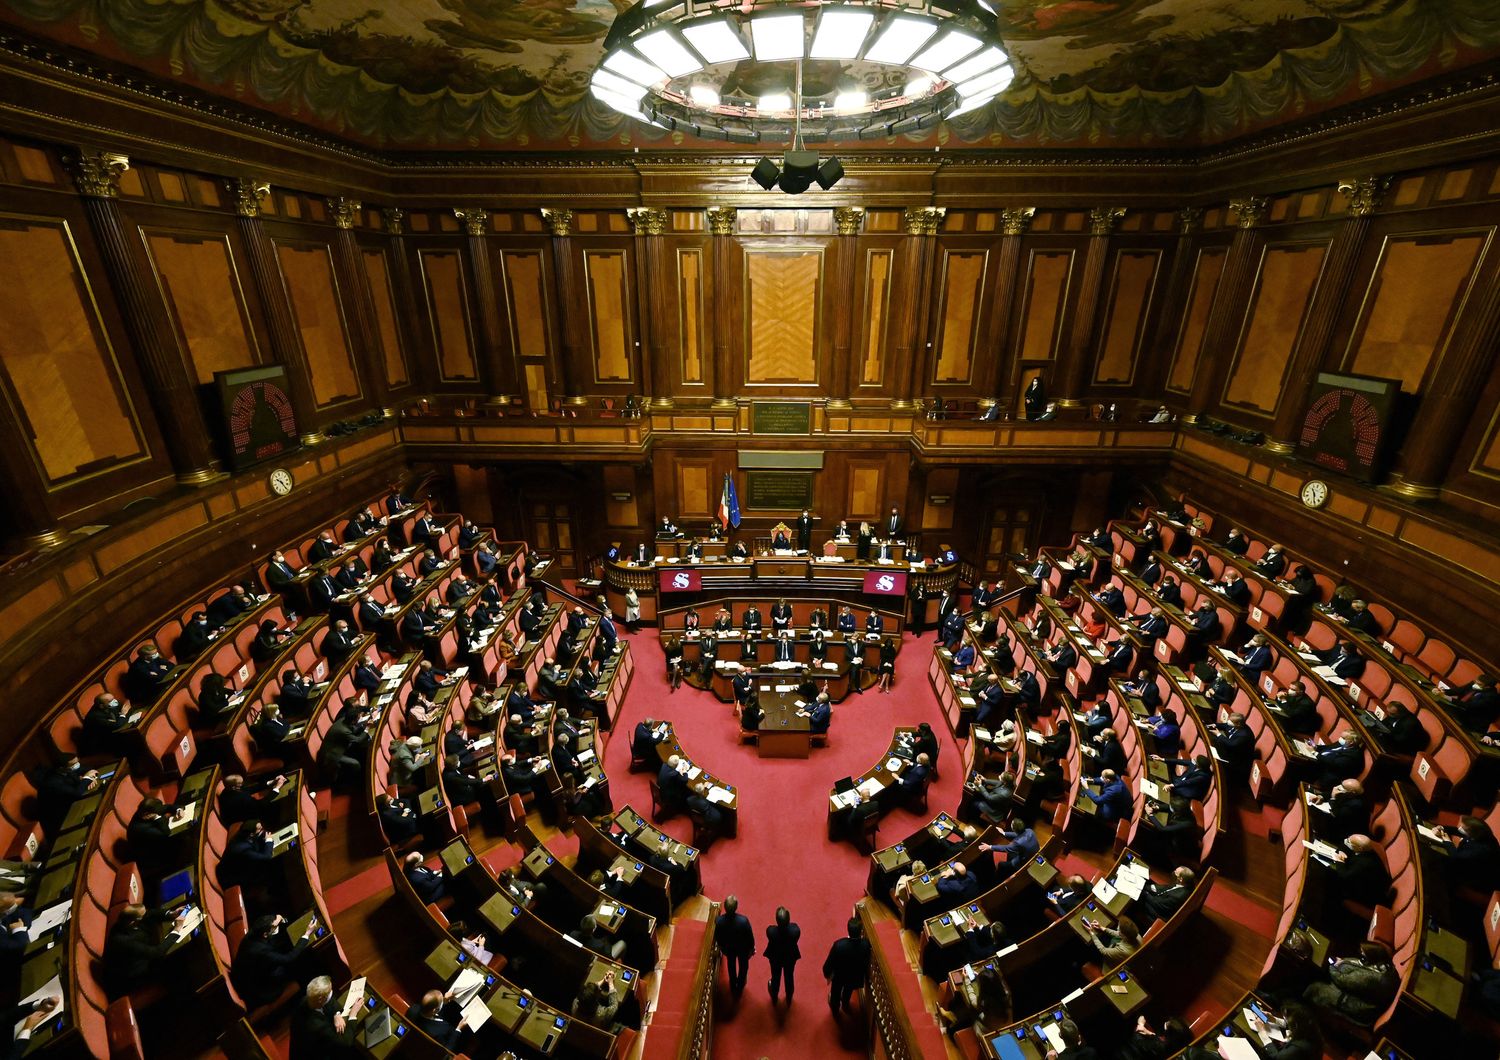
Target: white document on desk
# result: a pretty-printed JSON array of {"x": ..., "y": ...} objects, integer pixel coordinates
[
  {"x": 468, "y": 984},
  {"x": 54, "y": 990},
  {"x": 476, "y": 1013},
  {"x": 53, "y": 916},
  {"x": 722, "y": 796},
  {"x": 1104, "y": 891},
  {"x": 871, "y": 787},
  {"x": 1237, "y": 1049},
  {"x": 355, "y": 998},
  {"x": 1129, "y": 884}
]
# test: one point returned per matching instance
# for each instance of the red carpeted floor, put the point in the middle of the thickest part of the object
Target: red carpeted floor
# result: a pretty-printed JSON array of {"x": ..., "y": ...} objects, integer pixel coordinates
[{"x": 782, "y": 855}]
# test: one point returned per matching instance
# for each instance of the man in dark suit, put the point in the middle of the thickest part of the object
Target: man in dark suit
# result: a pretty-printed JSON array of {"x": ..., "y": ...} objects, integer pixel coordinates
[
  {"x": 1234, "y": 588},
  {"x": 197, "y": 634},
  {"x": 1344, "y": 812},
  {"x": 820, "y": 715},
  {"x": 1474, "y": 859},
  {"x": 1339, "y": 761},
  {"x": 736, "y": 941},
  {"x": 1361, "y": 874},
  {"x": 147, "y": 676},
  {"x": 267, "y": 960},
  {"x": 425, "y": 532},
  {"x": 325, "y": 547},
  {"x": 1273, "y": 563},
  {"x": 1206, "y": 626},
  {"x": 439, "y": 1017},
  {"x": 1160, "y": 902},
  {"x": 783, "y": 953},
  {"x": 427, "y": 883},
  {"x": 1344, "y": 660},
  {"x": 893, "y": 524},
  {"x": 1196, "y": 779},
  {"x": 338, "y": 642},
  {"x": 280, "y": 575},
  {"x": 1477, "y": 704},
  {"x": 951, "y": 629},
  {"x": 1235, "y": 744},
  {"x": 1063, "y": 657},
  {"x": 396, "y": 502},
  {"x": 1112, "y": 799},
  {"x": 318, "y": 1029},
  {"x": 1257, "y": 658},
  {"x": 847, "y": 966},
  {"x": 643, "y": 740},
  {"x": 914, "y": 780},
  {"x": 804, "y": 531},
  {"x": 1400, "y": 731},
  {"x": 1119, "y": 658},
  {"x": 1296, "y": 711},
  {"x": 1151, "y": 626},
  {"x": 1112, "y": 599},
  {"x": 1020, "y": 846},
  {"x": 751, "y": 622}
]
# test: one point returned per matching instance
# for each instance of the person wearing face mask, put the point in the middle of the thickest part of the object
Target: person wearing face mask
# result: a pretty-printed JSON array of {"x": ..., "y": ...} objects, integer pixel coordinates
[
  {"x": 338, "y": 643},
  {"x": 1339, "y": 761},
  {"x": 60, "y": 787},
  {"x": 268, "y": 959},
  {"x": 248, "y": 857},
  {"x": 1361, "y": 874},
  {"x": 1344, "y": 813},
  {"x": 1476, "y": 705},
  {"x": 195, "y": 637},
  {"x": 1474, "y": 858},
  {"x": 147, "y": 677},
  {"x": 103, "y": 724},
  {"x": 1273, "y": 563}
]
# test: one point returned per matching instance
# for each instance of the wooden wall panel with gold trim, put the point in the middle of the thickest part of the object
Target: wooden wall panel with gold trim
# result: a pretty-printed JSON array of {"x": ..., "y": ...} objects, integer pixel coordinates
[
  {"x": 784, "y": 288},
  {"x": 875, "y": 276},
  {"x": 198, "y": 279},
  {"x": 962, "y": 299},
  {"x": 446, "y": 300},
  {"x": 1129, "y": 306},
  {"x": 376, "y": 263},
  {"x": 1188, "y": 348},
  {"x": 1283, "y": 292},
  {"x": 608, "y": 280},
  {"x": 527, "y": 297},
  {"x": 317, "y": 304},
  {"x": 1047, "y": 273}
]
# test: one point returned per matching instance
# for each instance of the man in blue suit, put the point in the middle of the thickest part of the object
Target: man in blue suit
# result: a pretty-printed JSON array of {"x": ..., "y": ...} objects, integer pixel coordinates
[
  {"x": 1257, "y": 658},
  {"x": 1113, "y": 797},
  {"x": 736, "y": 941},
  {"x": 820, "y": 714},
  {"x": 915, "y": 778},
  {"x": 1021, "y": 847}
]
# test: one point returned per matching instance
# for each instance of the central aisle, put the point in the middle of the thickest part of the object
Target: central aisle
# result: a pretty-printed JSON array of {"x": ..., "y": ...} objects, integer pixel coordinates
[{"x": 782, "y": 855}]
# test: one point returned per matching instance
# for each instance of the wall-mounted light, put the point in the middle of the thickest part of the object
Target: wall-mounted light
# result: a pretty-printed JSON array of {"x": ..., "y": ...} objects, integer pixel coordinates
[
  {"x": 940, "y": 499},
  {"x": 621, "y": 497}
]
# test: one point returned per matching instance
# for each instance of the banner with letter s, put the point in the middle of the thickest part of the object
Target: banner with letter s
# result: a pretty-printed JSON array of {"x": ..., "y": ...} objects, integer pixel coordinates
[
  {"x": 679, "y": 581},
  {"x": 885, "y": 582}
]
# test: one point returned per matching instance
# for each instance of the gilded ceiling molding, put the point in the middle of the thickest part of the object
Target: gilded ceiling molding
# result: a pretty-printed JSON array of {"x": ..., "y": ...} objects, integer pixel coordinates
[
  {"x": 721, "y": 220},
  {"x": 1104, "y": 219},
  {"x": 476, "y": 221},
  {"x": 1015, "y": 220},
  {"x": 1364, "y": 194},
  {"x": 395, "y": 220},
  {"x": 248, "y": 192},
  {"x": 646, "y": 221},
  {"x": 848, "y": 220},
  {"x": 559, "y": 220},
  {"x": 96, "y": 173},
  {"x": 1189, "y": 220},
  {"x": 1249, "y": 212},
  {"x": 344, "y": 211},
  {"x": 923, "y": 220}
]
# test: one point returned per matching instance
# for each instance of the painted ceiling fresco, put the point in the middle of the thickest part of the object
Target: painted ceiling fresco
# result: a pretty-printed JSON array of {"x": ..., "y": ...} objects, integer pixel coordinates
[{"x": 513, "y": 74}]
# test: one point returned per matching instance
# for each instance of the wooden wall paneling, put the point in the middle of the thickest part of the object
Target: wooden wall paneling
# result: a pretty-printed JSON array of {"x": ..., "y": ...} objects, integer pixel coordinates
[
  {"x": 620, "y": 482},
  {"x": 1129, "y": 304},
  {"x": 997, "y": 370},
  {"x": 199, "y": 283},
  {"x": 939, "y": 502},
  {"x": 864, "y": 499},
  {"x": 446, "y": 303},
  {"x": 693, "y": 348},
  {"x": 570, "y": 362},
  {"x": 1187, "y": 349},
  {"x": 1043, "y": 304},
  {"x": 526, "y": 282},
  {"x": 1222, "y": 334},
  {"x": 875, "y": 302},
  {"x": 1074, "y": 362},
  {"x": 608, "y": 273},
  {"x": 408, "y": 289},
  {"x": 964, "y": 292},
  {"x": 1417, "y": 291},
  {"x": 375, "y": 260},
  {"x": 368, "y": 348},
  {"x": 1283, "y": 291},
  {"x": 323, "y": 325},
  {"x": 784, "y": 334}
]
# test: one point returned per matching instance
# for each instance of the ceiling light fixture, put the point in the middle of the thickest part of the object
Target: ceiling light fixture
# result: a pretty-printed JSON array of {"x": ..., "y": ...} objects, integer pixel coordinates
[{"x": 699, "y": 66}]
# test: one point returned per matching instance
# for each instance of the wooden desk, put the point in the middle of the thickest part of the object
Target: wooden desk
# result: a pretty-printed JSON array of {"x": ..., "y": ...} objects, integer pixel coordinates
[
  {"x": 877, "y": 782},
  {"x": 782, "y": 566},
  {"x": 783, "y": 732},
  {"x": 702, "y": 783}
]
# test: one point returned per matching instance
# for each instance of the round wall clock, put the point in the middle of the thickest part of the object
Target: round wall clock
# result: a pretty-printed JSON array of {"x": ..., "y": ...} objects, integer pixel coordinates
[
  {"x": 281, "y": 482},
  {"x": 1314, "y": 493}
]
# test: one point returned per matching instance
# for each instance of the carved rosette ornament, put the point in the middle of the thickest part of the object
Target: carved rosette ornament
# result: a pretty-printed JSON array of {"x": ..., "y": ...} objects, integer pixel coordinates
[
  {"x": 475, "y": 221},
  {"x": 1189, "y": 218},
  {"x": 343, "y": 211},
  {"x": 97, "y": 173},
  {"x": 923, "y": 220},
  {"x": 248, "y": 193},
  {"x": 1364, "y": 195},
  {"x": 848, "y": 220},
  {"x": 395, "y": 220},
  {"x": 721, "y": 220},
  {"x": 1104, "y": 219},
  {"x": 646, "y": 221},
  {"x": 559, "y": 220},
  {"x": 1015, "y": 220},
  {"x": 1249, "y": 212}
]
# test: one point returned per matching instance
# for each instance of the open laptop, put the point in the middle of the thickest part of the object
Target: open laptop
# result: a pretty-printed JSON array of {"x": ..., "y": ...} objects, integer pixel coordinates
[{"x": 378, "y": 1027}]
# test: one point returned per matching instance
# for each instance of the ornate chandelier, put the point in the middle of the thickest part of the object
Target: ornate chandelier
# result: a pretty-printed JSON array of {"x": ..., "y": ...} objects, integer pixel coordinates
[{"x": 869, "y": 69}]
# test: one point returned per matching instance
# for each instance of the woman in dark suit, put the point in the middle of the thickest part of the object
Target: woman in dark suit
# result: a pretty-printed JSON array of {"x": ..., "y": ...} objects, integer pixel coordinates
[
  {"x": 862, "y": 542},
  {"x": 887, "y": 664}
]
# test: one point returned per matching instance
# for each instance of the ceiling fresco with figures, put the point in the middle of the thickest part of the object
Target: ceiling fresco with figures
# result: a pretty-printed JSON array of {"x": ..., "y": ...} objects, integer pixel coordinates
[{"x": 513, "y": 74}]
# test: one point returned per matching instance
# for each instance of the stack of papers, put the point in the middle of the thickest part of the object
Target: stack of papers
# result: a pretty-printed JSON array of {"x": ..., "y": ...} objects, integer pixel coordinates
[
  {"x": 49, "y": 918},
  {"x": 893, "y": 764},
  {"x": 722, "y": 796},
  {"x": 1104, "y": 891},
  {"x": 476, "y": 1013},
  {"x": 1131, "y": 879},
  {"x": 1321, "y": 849}
]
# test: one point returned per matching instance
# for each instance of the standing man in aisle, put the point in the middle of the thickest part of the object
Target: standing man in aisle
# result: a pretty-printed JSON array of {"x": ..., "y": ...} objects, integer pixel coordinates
[
  {"x": 804, "y": 531},
  {"x": 736, "y": 940},
  {"x": 847, "y": 966},
  {"x": 783, "y": 953}
]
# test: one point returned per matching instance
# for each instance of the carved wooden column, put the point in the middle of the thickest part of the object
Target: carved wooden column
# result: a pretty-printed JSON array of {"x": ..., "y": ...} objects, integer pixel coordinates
[
  {"x": 847, "y": 221},
  {"x": 1317, "y": 333},
  {"x": 574, "y": 324},
  {"x": 364, "y": 334},
  {"x": 912, "y": 309},
  {"x": 1229, "y": 308},
  {"x": 169, "y": 380},
  {"x": 1078, "y": 356},
  {"x": 1014, "y": 221},
  {"x": 407, "y": 300},
  {"x": 286, "y": 343},
  {"x": 496, "y": 367},
  {"x": 1452, "y": 402},
  {"x": 1174, "y": 300},
  {"x": 653, "y": 302},
  {"x": 721, "y": 221}
]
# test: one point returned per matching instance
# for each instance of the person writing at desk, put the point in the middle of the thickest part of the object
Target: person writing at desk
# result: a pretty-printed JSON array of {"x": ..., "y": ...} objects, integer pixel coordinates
[{"x": 318, "y": 1029}]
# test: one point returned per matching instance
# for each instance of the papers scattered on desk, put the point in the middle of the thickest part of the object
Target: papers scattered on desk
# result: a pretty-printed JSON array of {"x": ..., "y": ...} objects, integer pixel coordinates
[
  {"x": 1321, "y": 849},
  {"x": 799, "y": 704},
  {"x": 1131, "y": 879},
  {"x": 394, "y": 671},
  {"x": 53, "y": 916},
  {"x": 1237, "y": 1049},
  {"x": 982, "y": 734},
  {"x": 841, "y": 799},
  {"x": 871, "y": 787},
  {"x": 722, "y": 796},
  {"x": 1327, "y": 674},
  {"x": 189, "y": 924},
  {"x": 1104, "y": 891},
  {"x": 692, "y": 772},
  {"x": 1310, "y": 656}
]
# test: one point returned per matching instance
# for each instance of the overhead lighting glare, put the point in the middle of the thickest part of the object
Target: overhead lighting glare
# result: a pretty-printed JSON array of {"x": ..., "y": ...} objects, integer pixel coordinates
[
  {"x": 616, "y": 85},
  {"x": 664, "y": 49},
  {"x": 993, "y": 82},
  {"x": 633, "y": 68},
  {"x": 899, "y": 40},
  {"x": 717, "y": 40},
  {"x": 704, "y": 95},
  {"x": 850, "y": 100},
  {"x": 949, "y": 49},
  {"x": 777, "y": 37},
  {"x": 917, "y": 86},
  {"x": 975, "y": 65},
  {"x": 780, "y": 101},
  {"x": 840, "y": 33},
  {"x": 973, "y": 103}
]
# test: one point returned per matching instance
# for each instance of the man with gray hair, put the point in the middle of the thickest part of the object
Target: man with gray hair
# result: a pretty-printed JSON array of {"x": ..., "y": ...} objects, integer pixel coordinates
[{"x": 318, "y": 1030}]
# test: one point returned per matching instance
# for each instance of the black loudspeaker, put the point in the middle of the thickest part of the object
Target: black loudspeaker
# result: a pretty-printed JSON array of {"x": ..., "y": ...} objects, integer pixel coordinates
[
  {"x": 765, "y": 173},
  {"x": 830, "y": 173},
  {"x": 798, "y": 170}
]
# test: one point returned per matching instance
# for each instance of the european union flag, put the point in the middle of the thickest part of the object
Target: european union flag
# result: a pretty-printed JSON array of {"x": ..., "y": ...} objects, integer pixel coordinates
[{"x": 729, "y": 504}]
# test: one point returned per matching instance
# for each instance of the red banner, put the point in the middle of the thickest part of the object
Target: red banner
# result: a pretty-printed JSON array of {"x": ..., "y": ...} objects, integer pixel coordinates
[
  {"x": 885, "y": 583},
  {"x": 679, "y": 581}
]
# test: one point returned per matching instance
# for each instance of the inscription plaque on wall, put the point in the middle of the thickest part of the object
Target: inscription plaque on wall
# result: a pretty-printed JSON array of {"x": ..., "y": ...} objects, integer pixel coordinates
[
  {"x": 781, "y": 417},
  {"x": 778, "y": 490}
]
